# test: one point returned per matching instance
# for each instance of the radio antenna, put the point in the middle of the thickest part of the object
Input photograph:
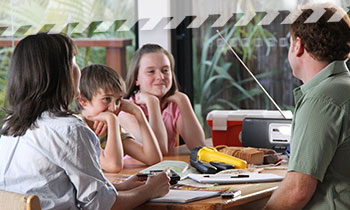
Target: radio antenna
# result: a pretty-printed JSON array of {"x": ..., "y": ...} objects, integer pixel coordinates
[{"x": 251, "y": 74}]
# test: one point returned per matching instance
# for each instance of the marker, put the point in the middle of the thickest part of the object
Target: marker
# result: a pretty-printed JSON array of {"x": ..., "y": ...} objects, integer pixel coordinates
[
  {"x": 236, "y": 176},
  {"x": 152, "y": 172},
  {"x": 241, "y": 176},
  {"x": 231, "y": 194},
  {"x": 143, "y": 175},
  {"x": 157, "y": 171}
]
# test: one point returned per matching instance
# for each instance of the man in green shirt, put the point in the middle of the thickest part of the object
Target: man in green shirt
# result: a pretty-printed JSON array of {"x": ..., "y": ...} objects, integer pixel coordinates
[{"x": 319, "y": 172}]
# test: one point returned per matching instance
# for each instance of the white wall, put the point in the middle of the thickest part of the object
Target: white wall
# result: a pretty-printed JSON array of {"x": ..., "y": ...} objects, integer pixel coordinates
[{"x": 156, "y": 9}]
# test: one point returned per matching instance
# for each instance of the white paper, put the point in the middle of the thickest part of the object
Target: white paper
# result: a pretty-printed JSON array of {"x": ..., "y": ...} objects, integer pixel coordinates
[
  {"x": 180, "y": 167},
  {"x": 184, "y": 196},
  {"x": 229, "y": 178}
]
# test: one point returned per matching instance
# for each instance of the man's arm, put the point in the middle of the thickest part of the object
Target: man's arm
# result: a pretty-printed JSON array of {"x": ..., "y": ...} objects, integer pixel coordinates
[{"x": 294, "y": 192}]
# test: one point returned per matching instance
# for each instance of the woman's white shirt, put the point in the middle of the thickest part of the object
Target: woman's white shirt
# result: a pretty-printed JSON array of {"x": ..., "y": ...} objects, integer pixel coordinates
[{"x": 57, "y": 160}]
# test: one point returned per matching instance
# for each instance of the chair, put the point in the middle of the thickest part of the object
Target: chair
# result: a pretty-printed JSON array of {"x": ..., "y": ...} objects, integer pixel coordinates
[{"x": 16, "y": 201}]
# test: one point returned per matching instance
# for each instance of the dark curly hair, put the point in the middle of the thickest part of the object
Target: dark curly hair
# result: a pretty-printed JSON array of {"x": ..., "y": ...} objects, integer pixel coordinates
[{"x": 325, "y": 41}]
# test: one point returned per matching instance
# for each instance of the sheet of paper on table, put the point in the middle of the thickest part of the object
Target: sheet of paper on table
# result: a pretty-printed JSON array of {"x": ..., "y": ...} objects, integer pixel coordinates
[
  {"x": 235, "y": 179},
  {"x": 180, "y": 167},
  {"x": 185, "y": 196}
]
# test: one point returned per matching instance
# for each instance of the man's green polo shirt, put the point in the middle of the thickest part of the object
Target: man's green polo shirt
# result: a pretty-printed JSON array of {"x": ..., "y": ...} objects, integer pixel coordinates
[{"x": 320, "y": 141}]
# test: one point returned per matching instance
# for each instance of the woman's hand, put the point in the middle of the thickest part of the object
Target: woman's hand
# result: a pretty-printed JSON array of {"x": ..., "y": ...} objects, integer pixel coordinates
[
  {"x": 158, "y": 184},
  {"x": 131, "y": 183},
  {"x": 155, "y": 186}
]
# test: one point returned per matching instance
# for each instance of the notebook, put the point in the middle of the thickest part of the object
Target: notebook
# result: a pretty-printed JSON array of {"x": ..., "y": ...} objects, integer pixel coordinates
[
  {"x": 185, "y": 196},
  {"x": 234, "y": 179}
]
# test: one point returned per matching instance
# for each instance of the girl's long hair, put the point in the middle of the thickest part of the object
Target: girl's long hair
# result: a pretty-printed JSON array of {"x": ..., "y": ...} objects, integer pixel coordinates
[{"x": 39, "y": 79}]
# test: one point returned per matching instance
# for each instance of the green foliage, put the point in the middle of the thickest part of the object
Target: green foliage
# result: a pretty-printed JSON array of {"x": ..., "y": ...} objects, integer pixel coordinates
[
  {"x": 34, "y": 12},
  {"x": 93, "y": 55},
  {"x": 5, "y": 54},
  {"x": 215, "y": 77}
]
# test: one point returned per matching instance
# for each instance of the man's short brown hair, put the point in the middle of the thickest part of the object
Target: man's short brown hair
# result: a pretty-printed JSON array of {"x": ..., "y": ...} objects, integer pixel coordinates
[{"x": 325, "y": 41}]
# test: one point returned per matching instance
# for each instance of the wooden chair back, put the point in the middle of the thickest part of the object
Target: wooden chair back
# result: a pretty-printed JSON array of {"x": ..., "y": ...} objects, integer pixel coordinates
[{"x": 17, "y": 201}]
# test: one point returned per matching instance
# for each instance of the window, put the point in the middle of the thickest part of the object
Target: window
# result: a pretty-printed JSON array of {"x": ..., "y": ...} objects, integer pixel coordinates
[{"x": 97, "y": 26}]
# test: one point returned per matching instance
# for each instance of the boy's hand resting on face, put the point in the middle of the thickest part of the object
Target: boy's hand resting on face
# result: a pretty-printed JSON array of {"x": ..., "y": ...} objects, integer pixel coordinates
[
  {"x": 100, "y": 127},
  {"x": 101, "y": 121}
]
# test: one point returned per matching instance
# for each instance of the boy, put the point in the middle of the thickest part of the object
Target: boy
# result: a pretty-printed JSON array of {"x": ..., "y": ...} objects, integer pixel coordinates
[{"x": 99, "y": 103}]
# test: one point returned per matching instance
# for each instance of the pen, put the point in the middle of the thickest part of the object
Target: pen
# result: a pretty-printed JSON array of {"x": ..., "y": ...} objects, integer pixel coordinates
[
  {"x": 157, "y": 171},
  {"x": 236, "y": 176},
  {"x": 143, "y": 175},
  {"x": 241, "y": 176},
  {"x": 151, "y": 172}
]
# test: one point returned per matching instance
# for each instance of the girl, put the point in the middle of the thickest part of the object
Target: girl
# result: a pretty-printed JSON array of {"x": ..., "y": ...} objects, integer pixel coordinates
[
  {"x": 44, "y": 149},
  {"x": 99, "y": 103},
  {"x": 151, "y": 84}
]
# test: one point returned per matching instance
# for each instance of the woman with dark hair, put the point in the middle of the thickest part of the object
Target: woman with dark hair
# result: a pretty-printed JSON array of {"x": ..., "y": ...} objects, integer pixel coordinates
[
  {"x": 44, "y": 149},
  {"x": 40, "y": 79}
]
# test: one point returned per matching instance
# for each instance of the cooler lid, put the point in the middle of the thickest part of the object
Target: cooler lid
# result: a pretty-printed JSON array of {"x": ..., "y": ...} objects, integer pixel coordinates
[{"x": 220, "y": 117}]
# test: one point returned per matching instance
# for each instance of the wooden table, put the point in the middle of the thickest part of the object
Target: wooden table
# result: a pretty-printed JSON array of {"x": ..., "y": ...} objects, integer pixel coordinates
[{"x": 254, "y": 196}]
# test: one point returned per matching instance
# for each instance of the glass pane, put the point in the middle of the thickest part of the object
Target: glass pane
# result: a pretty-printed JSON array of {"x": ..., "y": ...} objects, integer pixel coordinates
[
  {"x": 95, "y": 25},
  {"x": 220, "y": 81}
]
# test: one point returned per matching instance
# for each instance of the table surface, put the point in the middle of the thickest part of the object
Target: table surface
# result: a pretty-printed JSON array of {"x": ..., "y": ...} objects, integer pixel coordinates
[{"x": 254, "y": 195}]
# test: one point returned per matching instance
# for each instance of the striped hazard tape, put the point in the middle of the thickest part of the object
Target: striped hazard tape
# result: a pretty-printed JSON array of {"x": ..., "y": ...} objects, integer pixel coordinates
[{"x": 56, "y": 15}]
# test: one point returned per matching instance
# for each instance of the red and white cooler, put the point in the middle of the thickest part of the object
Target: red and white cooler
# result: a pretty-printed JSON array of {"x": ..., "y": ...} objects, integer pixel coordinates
[{"x": 226, "y": 125}]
